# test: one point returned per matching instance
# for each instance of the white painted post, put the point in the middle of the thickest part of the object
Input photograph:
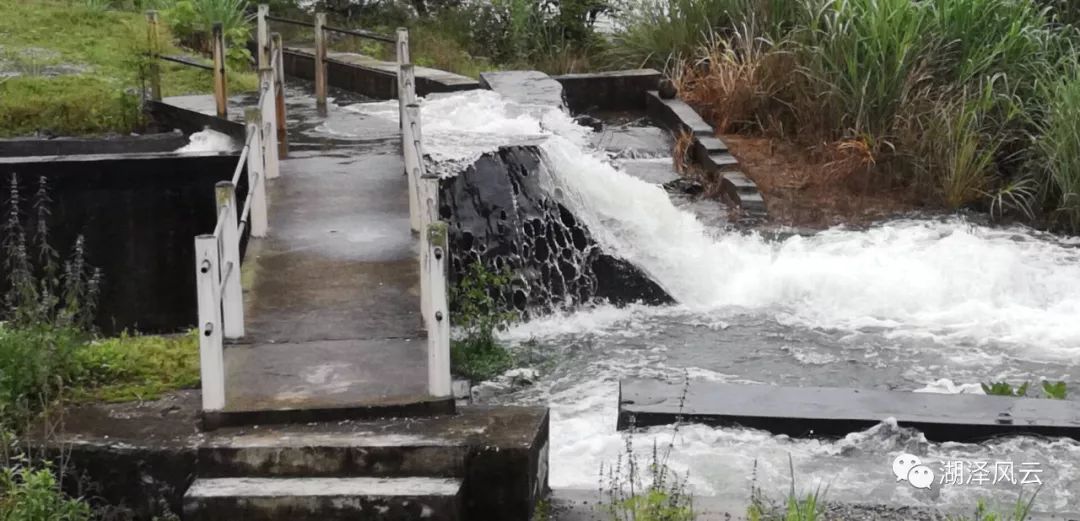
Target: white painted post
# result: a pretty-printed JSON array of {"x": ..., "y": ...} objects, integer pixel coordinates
[
  {"x": 434, "y": 269},
  {"x": 279, "y": 96},
  {"x": 263, "y": 36},
  {"x": 269, "y": 124},
  {"x": 320, "y": 59},
  {"x": 409, "y": 136},
  {"x": 221, "y": 93},
  {"x": 232, "y": 295},
  {"x": 402, "y": 59},
  {"x": 211, "y": 355},
  {"x": 256, "y": 168}
]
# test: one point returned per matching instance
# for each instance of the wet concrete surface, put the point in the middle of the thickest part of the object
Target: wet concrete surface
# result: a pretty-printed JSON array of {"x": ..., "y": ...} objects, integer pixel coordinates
[{"x": 332, "y": 294}]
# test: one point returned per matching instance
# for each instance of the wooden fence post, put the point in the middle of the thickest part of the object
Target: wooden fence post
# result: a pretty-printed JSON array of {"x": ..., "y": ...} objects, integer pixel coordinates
[
  {"x": 232, "y": 295},
  {"x": 153, "y": 40},
  {"x": 409, "y": 136},
  {"x": 402, "y": 59},
  {"x": 263, "y": 37},
  {"x": 211, "y": 355},
  {"x": 269, "y": 123},
  {"x": 279, "y": 91},
  {"x": 256, "y": 168},
  {"x": 221, "y": 95},
  {"x": 320, "y": 59}
]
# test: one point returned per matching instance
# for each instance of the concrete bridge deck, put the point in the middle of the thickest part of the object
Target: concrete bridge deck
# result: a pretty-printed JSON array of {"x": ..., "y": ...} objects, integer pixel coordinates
[{"x": 331, "y": 295}]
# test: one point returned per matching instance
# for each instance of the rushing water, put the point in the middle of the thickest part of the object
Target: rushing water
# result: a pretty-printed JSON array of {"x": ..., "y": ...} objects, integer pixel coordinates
[{"x": 901, "y": 305}]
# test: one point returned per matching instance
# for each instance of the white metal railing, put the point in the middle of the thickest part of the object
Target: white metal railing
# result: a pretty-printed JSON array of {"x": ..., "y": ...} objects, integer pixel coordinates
[
  {"x": 217, "y": 261},
  {"x": 217, "y": 255},
  {"x": 424, "y": 218}
]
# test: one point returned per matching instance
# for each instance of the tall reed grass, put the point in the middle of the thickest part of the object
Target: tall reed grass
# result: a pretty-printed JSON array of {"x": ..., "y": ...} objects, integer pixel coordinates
[{"x": 960, "y": 100}]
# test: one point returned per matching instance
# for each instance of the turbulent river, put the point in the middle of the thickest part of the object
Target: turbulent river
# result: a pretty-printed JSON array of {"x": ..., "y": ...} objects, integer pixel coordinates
[{"x": 926, "y": 305}]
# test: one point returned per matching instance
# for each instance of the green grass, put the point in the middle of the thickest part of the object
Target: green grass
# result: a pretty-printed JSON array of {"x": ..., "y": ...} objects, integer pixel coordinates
[
  {"x": 106, "y": 46},
  {"x": 136, "y": 367},
  {"x": 40, "y": 366}
]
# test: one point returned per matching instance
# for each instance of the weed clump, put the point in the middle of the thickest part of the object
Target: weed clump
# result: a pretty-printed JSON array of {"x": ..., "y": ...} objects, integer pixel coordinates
[{"x": 478, "y": 313}]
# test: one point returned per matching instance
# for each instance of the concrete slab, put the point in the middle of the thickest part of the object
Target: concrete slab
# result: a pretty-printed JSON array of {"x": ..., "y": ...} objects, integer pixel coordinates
[
  {"x": 816, "y": 411},
  {"x": 525, "y": 87},
  {"x": 323, "y": 498}
]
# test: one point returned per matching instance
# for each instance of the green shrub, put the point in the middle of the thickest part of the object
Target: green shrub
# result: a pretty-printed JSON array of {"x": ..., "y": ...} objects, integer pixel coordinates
[
  {"x": 478, "y": 311},
  {"x": 36, "y": 363},
  {"x": 29, "y": 493}
]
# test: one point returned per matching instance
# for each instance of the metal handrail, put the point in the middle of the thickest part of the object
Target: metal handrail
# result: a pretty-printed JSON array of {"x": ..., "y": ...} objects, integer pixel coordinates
[{"x": 360, "y": 33}]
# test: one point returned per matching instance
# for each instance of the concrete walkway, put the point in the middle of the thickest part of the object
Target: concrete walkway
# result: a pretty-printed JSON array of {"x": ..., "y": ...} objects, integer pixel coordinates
[{"x": 331, "y": 295}]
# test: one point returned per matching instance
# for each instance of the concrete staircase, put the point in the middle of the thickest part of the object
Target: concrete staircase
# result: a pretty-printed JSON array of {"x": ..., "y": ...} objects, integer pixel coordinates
[
  {"x": 481, "y": 463},
  {"x": 326, "y": 476}
]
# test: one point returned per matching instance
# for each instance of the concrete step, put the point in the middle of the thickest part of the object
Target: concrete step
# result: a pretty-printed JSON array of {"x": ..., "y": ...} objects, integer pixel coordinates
[
  {"x": 741, "y": 183},
  {"x": 753, "y": 203},
  {"x": 285, "y": 453},
  {"x": 323, "y": 499}
]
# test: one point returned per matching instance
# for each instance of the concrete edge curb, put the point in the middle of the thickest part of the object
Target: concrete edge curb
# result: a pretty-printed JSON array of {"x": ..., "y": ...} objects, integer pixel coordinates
[{"x": 709, "y": 151}]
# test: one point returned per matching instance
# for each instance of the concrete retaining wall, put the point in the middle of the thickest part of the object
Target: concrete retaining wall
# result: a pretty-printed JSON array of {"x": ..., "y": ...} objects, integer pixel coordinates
[
  {"x": 368, "y": 81},
  {"x": 608, "y": 91},
  {"x": 61, "y": 146},
  {"x": 139, "y": 214},
  {"x": 166, "y": 117}
]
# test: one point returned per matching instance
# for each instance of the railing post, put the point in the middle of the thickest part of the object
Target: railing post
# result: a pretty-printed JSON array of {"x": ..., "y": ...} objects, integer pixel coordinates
[
  {"x": 211, "y": 355},
  {"x": 279, "y": 92},
  {"x": 410, "y": 135},
  {"x": 256, "y": 168},
  {"x": 153, "y": 40},
  {"x": 402, "y": 59},
  {"x": 221, "y": 96},
  {"x": 320, "y": 59},
  {"x": 232, "y": 295},
  {"x": 263, "y": 37},
  {"x": 434, "y": 270},
  {"x": 269, "y": 123}
]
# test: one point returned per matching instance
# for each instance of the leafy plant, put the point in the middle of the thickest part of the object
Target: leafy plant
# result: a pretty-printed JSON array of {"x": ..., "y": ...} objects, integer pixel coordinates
[
  {"x": 1005, "y": 389},
  {"x": 40, "y": 289},
  {"x": 28, "y": 493},
  {"x": 478, "y": 312},
  {"x": 1054, "y": 390}
]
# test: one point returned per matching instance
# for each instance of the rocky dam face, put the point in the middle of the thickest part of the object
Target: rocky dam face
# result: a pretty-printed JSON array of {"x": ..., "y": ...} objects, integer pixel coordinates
[{"x": 504, "y": 213}]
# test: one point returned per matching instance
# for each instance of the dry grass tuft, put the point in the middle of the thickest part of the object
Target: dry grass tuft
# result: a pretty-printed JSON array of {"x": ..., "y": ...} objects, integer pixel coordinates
[{"x": 732, "y": 80}]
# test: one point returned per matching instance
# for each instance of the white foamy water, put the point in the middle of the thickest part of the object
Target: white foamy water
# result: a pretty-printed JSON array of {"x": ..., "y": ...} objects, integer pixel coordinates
[
  {"x": 905, "y": 304},
  {"x": 208, "y": 141}
]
